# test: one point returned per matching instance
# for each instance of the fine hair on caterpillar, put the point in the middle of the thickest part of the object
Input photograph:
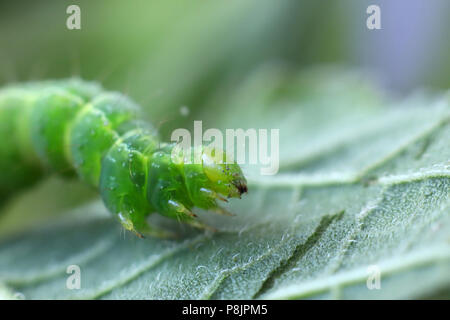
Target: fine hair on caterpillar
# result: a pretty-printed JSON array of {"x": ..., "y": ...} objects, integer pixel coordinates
[{"x": 75, "y": 128}]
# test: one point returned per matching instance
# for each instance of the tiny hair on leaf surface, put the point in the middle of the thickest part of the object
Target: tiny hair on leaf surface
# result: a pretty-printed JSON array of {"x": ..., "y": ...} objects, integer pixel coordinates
[{"x": 364, "y": 181}]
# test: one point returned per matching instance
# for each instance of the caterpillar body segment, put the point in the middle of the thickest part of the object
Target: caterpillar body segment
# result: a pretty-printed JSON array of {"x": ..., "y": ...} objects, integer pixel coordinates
[
  {"x": 74, "y": 128},
  {"x": 20, "y": 163},
  {"x": 17, "y": 160}
]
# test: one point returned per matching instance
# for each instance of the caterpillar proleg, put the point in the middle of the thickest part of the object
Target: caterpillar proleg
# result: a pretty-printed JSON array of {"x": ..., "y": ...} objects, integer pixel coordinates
[{"x": 75, "y": 128}]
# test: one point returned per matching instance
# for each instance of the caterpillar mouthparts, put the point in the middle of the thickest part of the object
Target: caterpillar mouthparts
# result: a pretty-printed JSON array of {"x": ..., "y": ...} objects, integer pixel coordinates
[
  {"x": 75, "y": 128},
  {"x": 241, "y": 185}
]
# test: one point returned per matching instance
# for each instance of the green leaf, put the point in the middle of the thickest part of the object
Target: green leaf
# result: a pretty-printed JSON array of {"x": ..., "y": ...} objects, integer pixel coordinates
[{"x": 364, "y": 181}]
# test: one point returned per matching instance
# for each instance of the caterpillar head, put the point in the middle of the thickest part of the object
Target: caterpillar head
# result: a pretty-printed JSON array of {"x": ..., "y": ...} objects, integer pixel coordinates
[
  {"x": 174, "y": 188},
  {"x": 224, "y": 178},
  {"x": 212, "y": 179}
]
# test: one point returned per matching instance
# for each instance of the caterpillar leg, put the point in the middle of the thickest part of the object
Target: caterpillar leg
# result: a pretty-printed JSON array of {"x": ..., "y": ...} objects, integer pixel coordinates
[
  {"x": 179, "y": 209},
  {"x": 183, "y": 214},
  {"x": 208, "y": 193},
  {"x": 140, "y": 227},
  {"x": 222, "y": 211},
  {"x": 207, "y": 199},
  {"x": 200, "y": 225},
  {"x": 156, "y": 232},
  {"x": 171, "y": 207}
]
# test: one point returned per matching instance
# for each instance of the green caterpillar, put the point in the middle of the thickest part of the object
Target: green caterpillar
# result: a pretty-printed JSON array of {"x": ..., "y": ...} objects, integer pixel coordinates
[{"x": 75, "y": 128}]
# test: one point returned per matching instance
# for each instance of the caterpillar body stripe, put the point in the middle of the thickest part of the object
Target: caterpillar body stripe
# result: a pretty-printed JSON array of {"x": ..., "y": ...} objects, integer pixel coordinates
[{"x": 76, "y": 128}]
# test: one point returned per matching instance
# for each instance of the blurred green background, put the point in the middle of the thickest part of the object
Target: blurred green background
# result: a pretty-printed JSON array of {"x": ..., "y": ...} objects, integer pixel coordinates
[
  {"x": 201, "y": 54},
  {"x": 171, "y": 53}
]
